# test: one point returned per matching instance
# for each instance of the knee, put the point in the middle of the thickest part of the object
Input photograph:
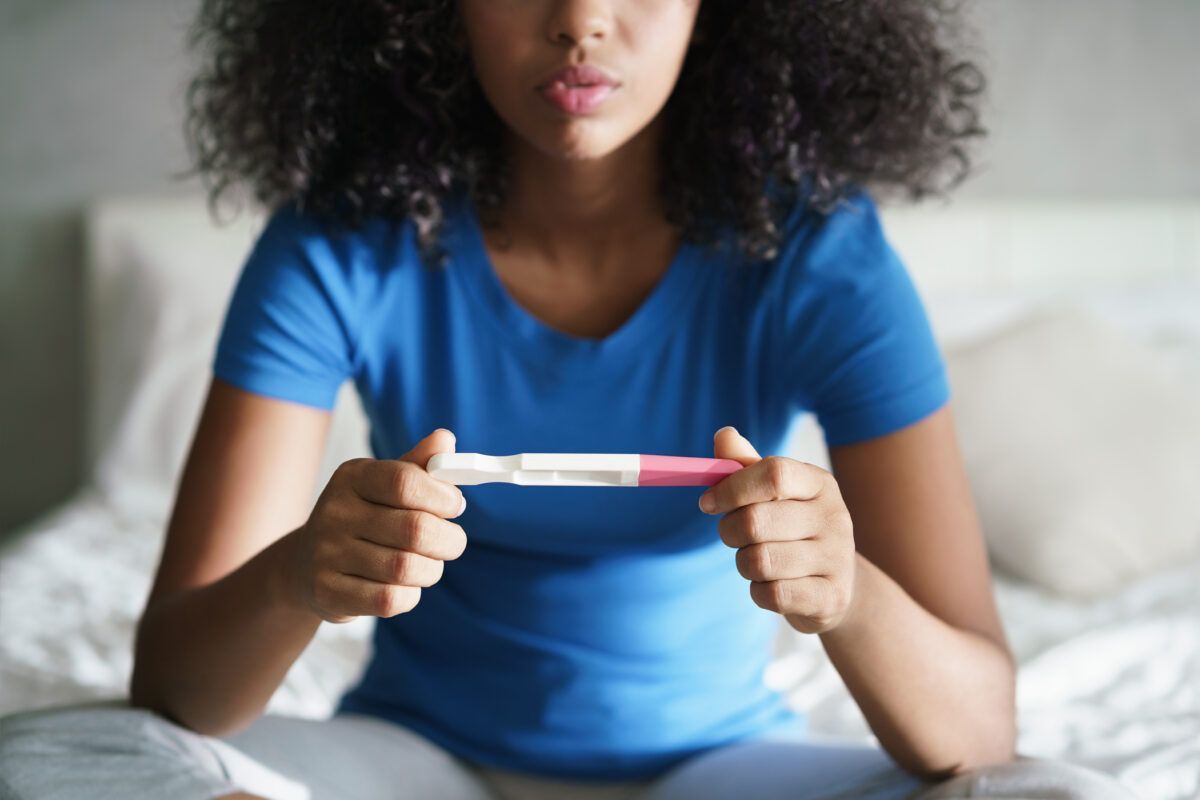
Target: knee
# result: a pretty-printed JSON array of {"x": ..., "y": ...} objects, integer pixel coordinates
[
  {"x": 35, "y": 734},
  {"x": 1032, "y": 778},
  {"x": 64, "y": 744},
  {"x": 19, "y": 730}
]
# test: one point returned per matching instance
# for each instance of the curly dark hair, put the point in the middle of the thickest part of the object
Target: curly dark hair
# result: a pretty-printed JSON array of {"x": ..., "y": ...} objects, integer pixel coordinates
[{"x": 370, "y": 107}]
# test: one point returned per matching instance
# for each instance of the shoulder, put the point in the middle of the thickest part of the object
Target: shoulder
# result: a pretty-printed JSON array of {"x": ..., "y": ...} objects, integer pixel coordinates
[
  {"x": 300, "y": 240},
  {"x": 295, "y": 224},
  {"x": 845, "y": 245},
  {"x": 834, "y": 259}
]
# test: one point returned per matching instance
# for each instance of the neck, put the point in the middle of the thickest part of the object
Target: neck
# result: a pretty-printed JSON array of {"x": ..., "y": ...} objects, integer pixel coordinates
[{"x": 583, "y": 216}]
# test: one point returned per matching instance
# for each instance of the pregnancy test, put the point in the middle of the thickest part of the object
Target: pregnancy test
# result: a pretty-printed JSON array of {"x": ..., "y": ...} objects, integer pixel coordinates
[{"x": 579, "y": 469}]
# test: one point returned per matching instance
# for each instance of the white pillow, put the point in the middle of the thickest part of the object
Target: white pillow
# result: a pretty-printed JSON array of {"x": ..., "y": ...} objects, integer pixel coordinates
[
  {"x": 160, "y": 273},
  {"x": 1083, "y": 449}
]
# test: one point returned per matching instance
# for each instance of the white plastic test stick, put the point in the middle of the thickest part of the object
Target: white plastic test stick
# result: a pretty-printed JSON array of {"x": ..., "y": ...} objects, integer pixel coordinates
[{"x": 579, "y": 469}]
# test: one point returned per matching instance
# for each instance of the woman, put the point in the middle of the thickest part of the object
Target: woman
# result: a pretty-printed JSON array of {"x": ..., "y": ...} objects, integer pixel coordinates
[{"x": 522, "y": 255}]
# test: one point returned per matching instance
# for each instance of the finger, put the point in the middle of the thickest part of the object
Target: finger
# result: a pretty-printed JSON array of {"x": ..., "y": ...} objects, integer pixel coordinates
[
  {"x": 773, "y": 561},
  {"x": 730, "y": 443},
  {"x": 773, "y": 521},
  {"x": 402, "y": 484},
  {"x": 773, "y": 478},
  {"x": 813, "y": 596},
  {"x": 392, "y": 565},
  {"x": 347, "y": 594},
  {"x": 417, "y": 532},
  {"x": 441, "y": 440}
]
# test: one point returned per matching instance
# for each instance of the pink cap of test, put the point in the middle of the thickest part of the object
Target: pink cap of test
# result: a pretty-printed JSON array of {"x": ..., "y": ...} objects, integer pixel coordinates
[{"x": 683, "y": 470}]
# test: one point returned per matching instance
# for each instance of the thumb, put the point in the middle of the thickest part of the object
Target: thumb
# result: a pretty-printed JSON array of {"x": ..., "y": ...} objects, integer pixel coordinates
[
  {"x": 728, "y": 443},
  {"x": 439, "y": 441}
]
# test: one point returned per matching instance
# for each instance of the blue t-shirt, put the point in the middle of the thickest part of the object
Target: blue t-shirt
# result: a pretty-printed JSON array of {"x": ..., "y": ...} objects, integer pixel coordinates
[{"x": 586, "y": 633}]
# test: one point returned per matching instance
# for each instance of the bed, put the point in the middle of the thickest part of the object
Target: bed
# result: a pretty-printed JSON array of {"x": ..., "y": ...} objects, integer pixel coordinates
[{"x": 1090, "y": 301}]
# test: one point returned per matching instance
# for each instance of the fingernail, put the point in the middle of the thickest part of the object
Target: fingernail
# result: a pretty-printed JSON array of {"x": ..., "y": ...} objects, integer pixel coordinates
[
  {"x": 707, "y": 503},
  {"x": 727, "y": 428},
  {"x": 463, "y": 507}
]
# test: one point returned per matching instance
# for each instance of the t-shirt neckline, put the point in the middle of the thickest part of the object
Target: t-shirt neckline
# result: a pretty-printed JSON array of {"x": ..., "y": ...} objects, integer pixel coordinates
[{"x": 529, "y": 333}]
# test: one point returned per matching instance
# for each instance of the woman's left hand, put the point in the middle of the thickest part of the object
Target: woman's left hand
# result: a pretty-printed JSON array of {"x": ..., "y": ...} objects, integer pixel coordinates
[{"x": 792, "y": 531}]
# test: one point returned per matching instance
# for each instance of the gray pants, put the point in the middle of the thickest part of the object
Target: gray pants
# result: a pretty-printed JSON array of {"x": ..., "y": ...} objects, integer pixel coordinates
[{"x": 108, "y": 750}]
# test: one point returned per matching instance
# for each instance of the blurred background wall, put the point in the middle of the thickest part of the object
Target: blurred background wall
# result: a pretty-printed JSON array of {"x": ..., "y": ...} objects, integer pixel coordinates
[{"x": 1092, "y": 98}]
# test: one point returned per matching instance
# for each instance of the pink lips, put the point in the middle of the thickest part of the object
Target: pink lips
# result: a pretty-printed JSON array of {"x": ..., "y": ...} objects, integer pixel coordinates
[{"x": 577, "y": 89}]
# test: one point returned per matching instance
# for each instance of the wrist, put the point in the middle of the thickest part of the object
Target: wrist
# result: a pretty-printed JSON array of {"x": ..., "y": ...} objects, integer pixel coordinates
[
  {"x": 282, "y": 586},
  {"x": 862, "y": 573}
]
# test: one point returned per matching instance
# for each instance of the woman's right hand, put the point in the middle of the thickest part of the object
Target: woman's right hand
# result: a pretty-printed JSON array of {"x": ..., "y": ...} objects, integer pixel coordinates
[{"x": 378, "y": 533}]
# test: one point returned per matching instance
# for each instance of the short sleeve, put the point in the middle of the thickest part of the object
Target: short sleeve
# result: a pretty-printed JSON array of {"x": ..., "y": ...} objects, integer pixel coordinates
[
  {"x": 288, "y": 327},
  {"x": 858, "y": 347}
]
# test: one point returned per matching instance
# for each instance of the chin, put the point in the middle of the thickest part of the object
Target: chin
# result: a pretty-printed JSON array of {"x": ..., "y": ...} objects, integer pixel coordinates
[{"x": 574, "y": 142}]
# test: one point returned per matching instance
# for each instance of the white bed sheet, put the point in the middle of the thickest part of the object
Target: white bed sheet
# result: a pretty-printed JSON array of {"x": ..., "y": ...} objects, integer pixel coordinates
[
  {"x": 1114, "y": 683},
  {"x": 72, "y": 584}
]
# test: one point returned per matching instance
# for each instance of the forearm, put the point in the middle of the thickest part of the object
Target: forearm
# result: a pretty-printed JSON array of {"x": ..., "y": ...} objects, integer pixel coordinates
[
  {"x": 940, "y": 699},
  {"x": 211, "y": 657}
]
